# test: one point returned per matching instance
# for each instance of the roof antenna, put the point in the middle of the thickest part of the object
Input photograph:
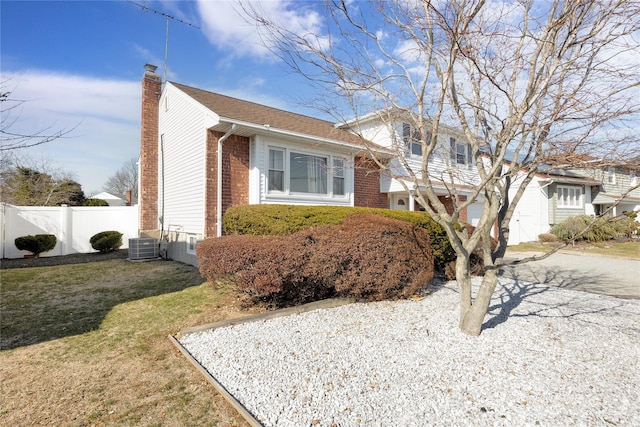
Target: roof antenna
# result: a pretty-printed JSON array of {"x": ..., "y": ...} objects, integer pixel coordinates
[{"x": 146, "y": 8}]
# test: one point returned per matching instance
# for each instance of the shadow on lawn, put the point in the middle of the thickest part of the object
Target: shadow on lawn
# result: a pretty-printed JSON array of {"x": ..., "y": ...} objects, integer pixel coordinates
[
  {"x": 52, "y": 302},
  {"x": 524, "y": 289}
]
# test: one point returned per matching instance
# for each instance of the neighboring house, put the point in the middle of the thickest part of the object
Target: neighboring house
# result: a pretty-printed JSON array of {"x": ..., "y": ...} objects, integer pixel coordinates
[
  {"x": 616, "y": 185},
  {"x": 202, "y": 152},
  {"x": 110, "y": 199},
  {"x": 550, "y": 198}
]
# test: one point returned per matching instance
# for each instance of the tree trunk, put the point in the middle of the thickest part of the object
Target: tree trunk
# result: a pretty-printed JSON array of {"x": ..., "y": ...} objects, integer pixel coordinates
[
  {"x": 463, "y": 278},
  {"x": 471, "y": 320}
]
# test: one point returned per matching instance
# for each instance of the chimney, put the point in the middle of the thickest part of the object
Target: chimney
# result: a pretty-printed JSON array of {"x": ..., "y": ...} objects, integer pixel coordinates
[
  {"x": 128, "y": 197},
  {"x": 148, "y": 194}
]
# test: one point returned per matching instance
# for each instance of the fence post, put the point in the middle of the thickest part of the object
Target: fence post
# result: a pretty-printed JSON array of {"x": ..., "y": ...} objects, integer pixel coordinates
[{"x": 66, "y": 229}]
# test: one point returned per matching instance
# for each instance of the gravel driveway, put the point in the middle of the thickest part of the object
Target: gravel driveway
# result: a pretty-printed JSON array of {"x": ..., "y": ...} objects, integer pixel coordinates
[{"x": 618, "y": 277}]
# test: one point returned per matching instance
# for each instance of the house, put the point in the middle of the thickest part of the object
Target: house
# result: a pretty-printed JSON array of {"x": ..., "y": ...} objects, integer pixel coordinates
[
  {"x": 617, "y": 184},
  {"x": 451, "y": 161},
  {"x": 551, "y": 197},
  {"x": 202, "y": 152},
  {"x": 111, "y": 199}
]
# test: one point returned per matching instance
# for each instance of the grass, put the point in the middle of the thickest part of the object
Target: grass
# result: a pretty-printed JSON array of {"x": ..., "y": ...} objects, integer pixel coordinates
[
  {"x": 629, "y": 249},
  {"x": 87, "y": 344}
]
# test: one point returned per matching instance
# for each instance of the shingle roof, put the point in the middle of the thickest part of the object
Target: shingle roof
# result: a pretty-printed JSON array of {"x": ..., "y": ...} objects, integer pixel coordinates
[{"x": 236, "y": 109}]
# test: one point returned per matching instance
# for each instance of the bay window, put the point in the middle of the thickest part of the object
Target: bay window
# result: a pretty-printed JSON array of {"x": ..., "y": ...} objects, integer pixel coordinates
[{"x": 294, "y": 172}]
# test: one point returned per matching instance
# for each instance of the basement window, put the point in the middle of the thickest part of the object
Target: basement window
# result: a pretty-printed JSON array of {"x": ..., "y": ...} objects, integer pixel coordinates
[{"x": 192, "y": 242}]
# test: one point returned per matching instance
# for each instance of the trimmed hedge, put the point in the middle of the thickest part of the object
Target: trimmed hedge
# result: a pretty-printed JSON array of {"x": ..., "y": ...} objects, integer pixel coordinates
[
  {"x": 106, "y": 241},
  {"x": 286, "y": 219},
  {"x": 36, "y": 244},
  {"x": 366, "y": 256}
]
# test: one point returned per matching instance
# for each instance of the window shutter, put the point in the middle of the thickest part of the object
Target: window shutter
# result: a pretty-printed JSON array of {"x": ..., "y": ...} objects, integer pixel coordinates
[{"x": 469, "y": 156}]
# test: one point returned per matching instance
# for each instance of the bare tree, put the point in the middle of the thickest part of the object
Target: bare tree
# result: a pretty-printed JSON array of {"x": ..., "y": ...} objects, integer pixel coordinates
[
  {"x": 126, "y": 178},
  {"x": 521, "y": 80}
]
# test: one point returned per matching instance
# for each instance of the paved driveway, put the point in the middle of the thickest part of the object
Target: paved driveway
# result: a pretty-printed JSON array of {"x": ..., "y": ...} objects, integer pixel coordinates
[{"x": 598, "y": 274}]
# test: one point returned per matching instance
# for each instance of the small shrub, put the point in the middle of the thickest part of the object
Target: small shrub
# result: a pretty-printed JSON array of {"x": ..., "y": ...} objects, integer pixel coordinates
[
  {"x": 95, "y": 202},
  {"x": 106, "y": 241},
  {"x": 36, "y": 244},
  {"x": 547, "y": 238},
  {"x": 366, "y": 256}
]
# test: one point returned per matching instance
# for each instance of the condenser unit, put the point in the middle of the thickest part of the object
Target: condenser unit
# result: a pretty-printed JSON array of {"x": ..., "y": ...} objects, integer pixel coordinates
[{"x": 143, "y": 248}]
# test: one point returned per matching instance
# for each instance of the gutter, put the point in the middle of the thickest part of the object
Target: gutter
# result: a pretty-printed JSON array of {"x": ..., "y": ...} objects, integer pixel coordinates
[
  {"x": 367, "y": 146},
  {"x": 219, "y": 182}
]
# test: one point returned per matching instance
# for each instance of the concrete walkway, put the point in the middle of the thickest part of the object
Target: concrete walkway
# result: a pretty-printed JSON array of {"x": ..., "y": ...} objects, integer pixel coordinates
[{"x": 618, "y": 277}]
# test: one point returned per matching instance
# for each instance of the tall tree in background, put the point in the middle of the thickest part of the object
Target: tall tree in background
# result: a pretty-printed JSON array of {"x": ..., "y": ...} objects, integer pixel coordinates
[
  {"x": 126, "y": 178},
  {"x": 522, "y": 79},
  {"x": 25, "y": 186}
]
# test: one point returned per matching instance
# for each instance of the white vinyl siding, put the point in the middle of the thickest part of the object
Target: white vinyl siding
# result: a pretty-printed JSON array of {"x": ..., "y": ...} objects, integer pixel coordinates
[{"x": 181, "y": 185}]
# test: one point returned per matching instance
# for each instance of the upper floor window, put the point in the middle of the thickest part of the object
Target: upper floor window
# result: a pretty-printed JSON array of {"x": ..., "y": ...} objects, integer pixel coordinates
[
  {"x": 633, "y": 179},
  {"x": 611, "y": 176},
  {"x": 569, "y": 197},
  {"x": 305, "y": 173},
  {"x": 460, "y": 153},
  {"x": 412, "y": 140}
]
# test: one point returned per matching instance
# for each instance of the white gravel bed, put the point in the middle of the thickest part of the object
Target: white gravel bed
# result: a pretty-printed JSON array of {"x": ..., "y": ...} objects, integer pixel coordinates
[{"x": 560, "y": 358}]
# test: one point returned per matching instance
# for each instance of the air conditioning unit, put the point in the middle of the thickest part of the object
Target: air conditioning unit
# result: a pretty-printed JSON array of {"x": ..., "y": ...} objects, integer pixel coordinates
[{"x": 143, "y": 248}]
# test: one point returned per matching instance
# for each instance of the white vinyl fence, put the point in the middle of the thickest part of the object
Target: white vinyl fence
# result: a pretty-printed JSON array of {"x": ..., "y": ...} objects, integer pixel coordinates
[{"x": 72, "y": 226}]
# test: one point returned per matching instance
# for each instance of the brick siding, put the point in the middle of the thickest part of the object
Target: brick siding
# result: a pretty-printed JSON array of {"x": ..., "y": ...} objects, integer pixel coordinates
[
  {"x": 366, "y": 183},
  {"x": 151, "y": 88},
  {"x": 235, "y": 176}
]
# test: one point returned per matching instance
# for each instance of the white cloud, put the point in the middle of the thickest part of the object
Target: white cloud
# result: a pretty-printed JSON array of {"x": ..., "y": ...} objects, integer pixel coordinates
[
  {"x": 103, "y": 113},
  {"x": 226, "y": 25}
]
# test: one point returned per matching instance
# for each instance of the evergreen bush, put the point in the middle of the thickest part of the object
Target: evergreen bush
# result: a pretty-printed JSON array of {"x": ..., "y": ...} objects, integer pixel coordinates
[
  {"x": 286, "y": 219},
  {"x": 95, "y": 202},
  {"x": 605, "y": 228},
  {"x": 36, "y": 244},
  {"x": 106, "y": 241}
]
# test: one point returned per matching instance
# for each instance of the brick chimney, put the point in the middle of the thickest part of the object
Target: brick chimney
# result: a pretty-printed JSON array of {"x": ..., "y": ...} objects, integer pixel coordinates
[{"x": 148, "y": 197}]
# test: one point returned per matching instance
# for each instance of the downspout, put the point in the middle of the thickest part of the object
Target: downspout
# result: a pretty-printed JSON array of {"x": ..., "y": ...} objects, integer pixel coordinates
[{"x": 219, "y": 182}]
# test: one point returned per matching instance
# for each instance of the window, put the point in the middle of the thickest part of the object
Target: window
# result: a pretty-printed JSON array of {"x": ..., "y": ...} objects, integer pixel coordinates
[
  {"x": 192, "y": 242},
  {"x": 338, "y": 177},
  {"x": 569, "y": 197},
  {"x": 412, "y": 140},
  {"x": 611, "y": 176},
  {"x": 633, "y": 179},
  {"x": 293, "y": 172},
  {"x": 460, "y": 153},
  {"x": 308, "y": 174},
  {"x": 276, "y": 170}
]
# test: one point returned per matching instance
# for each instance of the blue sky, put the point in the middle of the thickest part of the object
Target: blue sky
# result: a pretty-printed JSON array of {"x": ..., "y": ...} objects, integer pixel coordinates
[{"x": 78, "y": 64}]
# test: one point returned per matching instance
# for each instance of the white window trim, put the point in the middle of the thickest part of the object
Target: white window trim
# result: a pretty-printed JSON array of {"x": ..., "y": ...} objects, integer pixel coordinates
[
  {"x": 287, "y": 177},
  {"x": 560, "y": 200},
  {"x": 610, "y": 176}
]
